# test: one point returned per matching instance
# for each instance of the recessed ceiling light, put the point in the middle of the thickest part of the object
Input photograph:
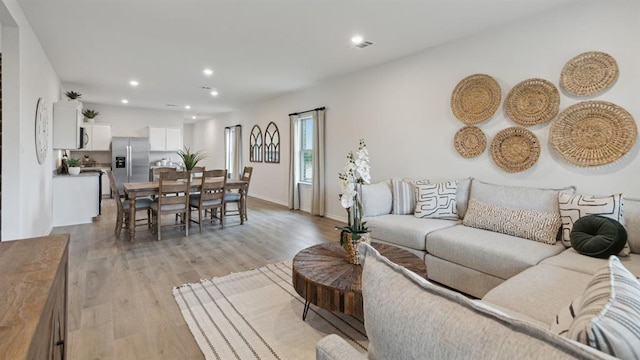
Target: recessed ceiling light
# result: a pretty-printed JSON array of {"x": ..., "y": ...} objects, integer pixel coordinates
[
  {"x": 214, "y": 92},
  {"x": 357, "y": 39},
  {"x": 133, "y": 83},
  {"x": 208, "y": 72},
  {"x": 193, "y": 117},
  {"x": 124, "y": 101},
  {"x": 187, "y": 107}
]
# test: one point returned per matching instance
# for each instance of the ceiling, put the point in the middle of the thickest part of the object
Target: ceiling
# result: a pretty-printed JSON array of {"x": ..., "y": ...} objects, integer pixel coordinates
[{"x": 258, "y": 49}]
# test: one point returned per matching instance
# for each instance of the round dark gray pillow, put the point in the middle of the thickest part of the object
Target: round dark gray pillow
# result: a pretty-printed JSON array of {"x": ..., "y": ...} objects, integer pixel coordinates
[{"x": 598, "y": 236}]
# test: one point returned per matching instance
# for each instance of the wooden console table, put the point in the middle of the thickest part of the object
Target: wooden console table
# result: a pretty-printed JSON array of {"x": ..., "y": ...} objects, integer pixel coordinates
[
  {"x": 323, "y": 277},
  {"x": 33, "y": 305}
]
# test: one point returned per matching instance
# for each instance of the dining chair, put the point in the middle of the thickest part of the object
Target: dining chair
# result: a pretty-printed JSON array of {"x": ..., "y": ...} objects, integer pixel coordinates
[
  {"x": 173, "y": 198},
  {"x": 239, "y": 197},
  {"x": 211, "y": 196},
  {"x": 159, "y": 170},
  {"x": 122, "y": 216}
]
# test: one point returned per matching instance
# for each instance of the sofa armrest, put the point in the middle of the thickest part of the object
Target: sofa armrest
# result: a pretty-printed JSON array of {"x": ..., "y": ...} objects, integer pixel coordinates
[{"x": 333, "y": 347}]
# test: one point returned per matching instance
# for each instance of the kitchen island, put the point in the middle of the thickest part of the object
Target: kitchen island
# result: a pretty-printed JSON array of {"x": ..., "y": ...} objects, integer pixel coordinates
[{"x": 75, "y": 199}]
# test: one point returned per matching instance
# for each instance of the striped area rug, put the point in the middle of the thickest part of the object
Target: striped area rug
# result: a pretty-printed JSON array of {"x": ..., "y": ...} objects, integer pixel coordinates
[{"x": 258, "y": 315}]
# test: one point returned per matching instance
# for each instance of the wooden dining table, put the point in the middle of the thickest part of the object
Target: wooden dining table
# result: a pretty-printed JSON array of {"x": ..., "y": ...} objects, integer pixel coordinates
[{"x": 137, "y": 190}]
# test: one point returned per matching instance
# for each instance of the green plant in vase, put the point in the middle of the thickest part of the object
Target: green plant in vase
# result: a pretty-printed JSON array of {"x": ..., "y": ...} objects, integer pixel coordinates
[
  {"x": 189, "y": 159},
  {"x": 74, "y": 166},
  {"x": 90, "y": 114},
  {"x": 356, "y": 172},
  {"x": 72, "y": 95}
]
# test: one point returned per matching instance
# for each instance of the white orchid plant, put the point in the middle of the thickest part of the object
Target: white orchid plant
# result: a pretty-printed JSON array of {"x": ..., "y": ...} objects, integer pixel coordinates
[{"x": 356, "y": 172}]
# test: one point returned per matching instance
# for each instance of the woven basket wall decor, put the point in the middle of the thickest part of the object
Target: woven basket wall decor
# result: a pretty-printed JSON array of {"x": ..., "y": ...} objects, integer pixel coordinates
[
  {"x": 532, "y": 102},
  {"x": 589, "y": 73},
  {"x": 592, "y": 133},
  {"x": 515, "y": 149},
  {"x": 476, "y": 98},
  {"x": 470, "y": 141}
]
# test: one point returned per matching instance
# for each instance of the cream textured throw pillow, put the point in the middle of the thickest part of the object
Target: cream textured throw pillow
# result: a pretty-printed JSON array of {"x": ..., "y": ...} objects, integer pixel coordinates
[
  {"x": 437, "y": 201},
  {"x": 574, "y": 206},
  {"x": 608, "y": 318},
  {"x": 539, "y": 226}
]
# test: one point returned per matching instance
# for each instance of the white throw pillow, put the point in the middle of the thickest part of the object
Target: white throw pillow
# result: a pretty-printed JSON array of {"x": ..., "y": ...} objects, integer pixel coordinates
[
  {"x": 437, "y": 201},
  {"x": 377, "y": 199},
  {"x": 609, "y": 315},
  {"x": 574, "y": 206}
]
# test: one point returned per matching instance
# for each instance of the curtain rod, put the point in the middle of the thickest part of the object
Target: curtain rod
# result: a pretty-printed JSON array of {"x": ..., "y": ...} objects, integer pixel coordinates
[
  {"x": 302, "y": 112},
  {"x": 229, "y": 127}
]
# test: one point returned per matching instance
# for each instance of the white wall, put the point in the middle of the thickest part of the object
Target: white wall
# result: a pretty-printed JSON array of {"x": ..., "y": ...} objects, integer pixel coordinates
[
  {"x": 402, "y": 108},
  {"x": 27, "y": 76}
]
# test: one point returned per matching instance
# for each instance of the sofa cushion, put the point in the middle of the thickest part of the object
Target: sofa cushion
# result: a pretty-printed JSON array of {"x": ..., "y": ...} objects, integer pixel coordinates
[
  {"x": 443, "y": 324},
  {"x": 462, "y": 194},
  {"x": 404, "y": 198},
  {"x": 517, "y": 197},
  {"x": 571, "y": 260},
  {"x": 598, "y": 236},
  {"x": 632, "y": 223},
  {"x": 437, "y": 201},
  {"x": 608, "y": 318},
  {"x": 377, "y": 198},
  {"x": 493, "y": 253},
  {"x": 574, "y": 206},
  {"x": 565, "y": 317},
  {"x": 539, "y": 226},
  {"x": 405, "y": 230},
  {"x": 539, "y": 292}
]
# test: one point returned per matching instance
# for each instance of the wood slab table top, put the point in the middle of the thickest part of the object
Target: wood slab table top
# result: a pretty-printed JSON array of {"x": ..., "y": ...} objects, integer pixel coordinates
[{"x": 323, "y": 277}]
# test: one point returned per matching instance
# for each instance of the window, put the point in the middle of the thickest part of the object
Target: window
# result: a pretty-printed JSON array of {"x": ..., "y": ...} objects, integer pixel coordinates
[{"x": 306, "y": 147}]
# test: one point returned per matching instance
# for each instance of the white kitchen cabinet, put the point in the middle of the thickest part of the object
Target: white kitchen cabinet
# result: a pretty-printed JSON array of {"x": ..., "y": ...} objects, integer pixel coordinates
[
  {"x": 165, "y": 139},
  {"x": 75, "y": 199},
  {"x": 67, "y": 119},
  {"x": 97, "y": 137}
]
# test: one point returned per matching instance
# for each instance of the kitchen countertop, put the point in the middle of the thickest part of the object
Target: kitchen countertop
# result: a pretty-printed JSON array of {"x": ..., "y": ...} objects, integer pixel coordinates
[{"x": 79, "y": 175}]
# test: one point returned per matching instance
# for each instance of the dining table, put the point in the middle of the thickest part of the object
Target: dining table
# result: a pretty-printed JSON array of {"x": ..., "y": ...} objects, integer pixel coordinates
[{"x": 136, "y": 190}]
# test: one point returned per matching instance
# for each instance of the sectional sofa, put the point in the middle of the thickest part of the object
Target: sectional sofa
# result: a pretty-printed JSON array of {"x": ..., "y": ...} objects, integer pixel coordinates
[{"x": 508, "y": 247}]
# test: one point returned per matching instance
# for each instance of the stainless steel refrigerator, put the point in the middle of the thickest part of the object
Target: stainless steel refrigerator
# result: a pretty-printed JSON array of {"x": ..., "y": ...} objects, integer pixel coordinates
[{"x": 129, "y": 160}]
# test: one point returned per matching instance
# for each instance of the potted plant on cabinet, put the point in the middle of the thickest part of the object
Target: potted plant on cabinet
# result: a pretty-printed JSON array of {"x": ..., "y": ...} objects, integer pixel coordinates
[
  {"x": 73, "y": 96},
  {"x": 189, "y": 159},
  {"x": 74, "y": 166},
  {"x": 89, "y": 115}
]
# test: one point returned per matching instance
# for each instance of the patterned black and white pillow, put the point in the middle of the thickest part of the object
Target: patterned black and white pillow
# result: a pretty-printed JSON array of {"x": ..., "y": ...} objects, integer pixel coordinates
[
  {"x": 437, "y": 201},
  {"x": 609, "y": 317},
  {"x": 574, "y": 206}
]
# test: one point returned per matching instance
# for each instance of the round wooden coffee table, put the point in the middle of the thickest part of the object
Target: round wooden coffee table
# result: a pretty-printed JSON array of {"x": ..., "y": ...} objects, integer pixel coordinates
[{"x": 323, "y": 277}]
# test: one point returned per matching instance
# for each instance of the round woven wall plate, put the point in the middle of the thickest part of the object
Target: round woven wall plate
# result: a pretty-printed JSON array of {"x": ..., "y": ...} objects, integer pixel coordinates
[
  {"x": 589, "y": 73},
  {"x": 476, "y": 98},
  {"x": 515, "y": 149},
  {"x": 532, "y": 102},
  {"x": 592, "y": 133},
  {"x": 470, "y": 141}
]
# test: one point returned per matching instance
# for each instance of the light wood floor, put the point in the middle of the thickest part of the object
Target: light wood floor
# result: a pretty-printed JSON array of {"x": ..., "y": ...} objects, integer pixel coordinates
[{"x": 120, "y": 293}]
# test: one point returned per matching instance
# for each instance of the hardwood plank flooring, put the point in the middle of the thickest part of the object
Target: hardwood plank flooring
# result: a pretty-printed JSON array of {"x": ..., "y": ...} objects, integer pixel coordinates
[{"x": 120, "y": 292}]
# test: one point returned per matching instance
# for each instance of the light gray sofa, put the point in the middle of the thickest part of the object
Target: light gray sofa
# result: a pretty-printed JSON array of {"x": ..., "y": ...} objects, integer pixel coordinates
[
  {"x": 441, "y": 324},
  {"x": 527, "y": 280}
]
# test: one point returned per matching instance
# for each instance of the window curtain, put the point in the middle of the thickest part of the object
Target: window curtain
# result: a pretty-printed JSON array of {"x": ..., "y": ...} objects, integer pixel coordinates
[
  {"x": 233, "y": 149},
  {"x": 294, "y": 193},
  {"x": 318, "y": 190},
  {"x": 318, "y": 168}
]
